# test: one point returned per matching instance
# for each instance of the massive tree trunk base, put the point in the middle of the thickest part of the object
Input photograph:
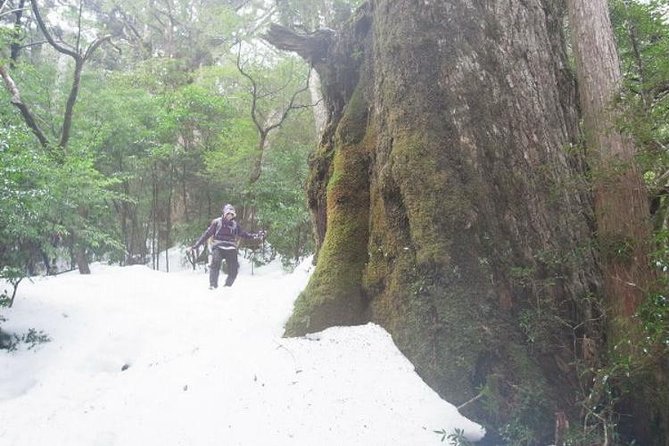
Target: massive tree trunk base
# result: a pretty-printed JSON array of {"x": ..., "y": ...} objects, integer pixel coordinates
[{"x": 449, "y": 207}]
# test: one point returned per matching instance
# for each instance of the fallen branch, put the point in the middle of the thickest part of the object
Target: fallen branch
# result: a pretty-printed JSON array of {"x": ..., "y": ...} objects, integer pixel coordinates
[{"x": 466, "y": 403}]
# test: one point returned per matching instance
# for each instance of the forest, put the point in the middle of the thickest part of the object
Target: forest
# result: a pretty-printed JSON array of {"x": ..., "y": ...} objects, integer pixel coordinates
[{"x": 487, "y": 180}]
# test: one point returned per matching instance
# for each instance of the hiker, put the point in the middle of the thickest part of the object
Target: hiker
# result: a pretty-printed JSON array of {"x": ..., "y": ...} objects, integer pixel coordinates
[{"x": 225, "y": 232}]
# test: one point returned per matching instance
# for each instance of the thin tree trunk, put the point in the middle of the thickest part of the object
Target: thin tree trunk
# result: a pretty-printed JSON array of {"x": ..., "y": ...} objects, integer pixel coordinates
[
  {"x": 168, "y": 220},
  {"x": 71, "y": 101},
  {"x": 184, "y": 191},
  {"x": 16, "y": 46},
  {"x": 621, "y": 211},
  {"x": 154, "y": 221},
  {"x": 621, "y": 199},
  {"x": 82, "y": 260},
  {"x": 256, "y": 170}
]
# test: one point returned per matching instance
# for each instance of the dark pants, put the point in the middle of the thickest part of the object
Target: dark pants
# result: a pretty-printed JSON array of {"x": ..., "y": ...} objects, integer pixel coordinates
[{"x": 217, "y": 256}]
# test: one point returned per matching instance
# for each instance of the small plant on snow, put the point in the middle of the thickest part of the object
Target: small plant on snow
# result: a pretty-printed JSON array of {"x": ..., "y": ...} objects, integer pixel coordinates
[
  {"x": 33, "y": 338},
  {"x": 455, "y": 438},
  {"x": 13, "y": 276}
]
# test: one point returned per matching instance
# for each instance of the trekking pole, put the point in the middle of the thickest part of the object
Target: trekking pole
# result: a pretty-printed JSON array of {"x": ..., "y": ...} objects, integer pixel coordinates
[{"x": 192, "y": 259}]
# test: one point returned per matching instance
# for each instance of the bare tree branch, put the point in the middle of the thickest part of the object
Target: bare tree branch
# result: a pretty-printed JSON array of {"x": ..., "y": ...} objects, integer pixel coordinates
[
  {"x": 57, "y": 46},
  {"x": 254, "y": 91},
  {"x": 79, "y": 61},
  {"x": 94, "y": 46},
  {"x": 23, "y": 108},
  {"x": 311, "y": 47},
  {"x": 32, "y": 44},
  {"x": 12, "y": 11},
  {"x": 263, "y": 128},
  {"x": 240, "y": 5},
  {"x": 15, "y": 48},
  {"x": 261, "y": 21},
  {"x": 169, "y": 15},
  {"x": 291, "y": 106},
  {"x": 77, "y": 46}
]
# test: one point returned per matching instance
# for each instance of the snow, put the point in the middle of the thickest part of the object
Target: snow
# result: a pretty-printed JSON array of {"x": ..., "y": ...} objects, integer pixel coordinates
[{"x": 143, "y": 357}]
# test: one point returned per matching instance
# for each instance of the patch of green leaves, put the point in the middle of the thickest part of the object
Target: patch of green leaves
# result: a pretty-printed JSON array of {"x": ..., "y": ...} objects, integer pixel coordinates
[{"x": 455, "y": 438}]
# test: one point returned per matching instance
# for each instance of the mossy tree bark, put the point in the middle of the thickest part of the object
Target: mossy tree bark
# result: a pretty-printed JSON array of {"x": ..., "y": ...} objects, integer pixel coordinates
[{"x": 449, "y": 204}]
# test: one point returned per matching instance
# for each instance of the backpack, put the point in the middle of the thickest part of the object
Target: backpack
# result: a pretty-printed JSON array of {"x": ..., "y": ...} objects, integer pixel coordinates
[{"x": 219, "y": 225}]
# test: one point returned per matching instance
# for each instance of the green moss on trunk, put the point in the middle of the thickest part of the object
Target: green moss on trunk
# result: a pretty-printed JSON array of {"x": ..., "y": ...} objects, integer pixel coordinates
[
  {"x": 334, "y": 294},
  {"x": 448, "y": 216}
]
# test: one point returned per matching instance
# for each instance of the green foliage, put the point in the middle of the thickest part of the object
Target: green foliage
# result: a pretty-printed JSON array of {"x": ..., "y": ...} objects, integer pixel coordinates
[
  {"x": 280, "y": 192},
  {"x": 78, "y": 197},
  {"x": 161, "y": 137},
  {"x": 654, "y": 314},
  {"x": 24, "y": 200},
  {"x": 22, "y": 172},
  {"x": 229, "y": 166},
  {"x": 626, "y": 369},
  {"x": 654, "y": 311},
  {"x": 12, "y": 276},
  {"x": 520, "y": 404},
  {"x": 642, "y": 37},
  {"x": 42, "y": 199},
  {"x": 200, "y": 30},
  {"x": 455, "y": 438}
]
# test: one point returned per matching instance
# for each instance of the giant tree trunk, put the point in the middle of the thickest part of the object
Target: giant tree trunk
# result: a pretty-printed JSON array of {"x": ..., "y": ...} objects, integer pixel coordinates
[{"x": 448, "y": 201}]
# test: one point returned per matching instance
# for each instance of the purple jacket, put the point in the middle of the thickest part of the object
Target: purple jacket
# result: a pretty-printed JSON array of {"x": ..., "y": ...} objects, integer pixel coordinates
[{"x": 225, "y": 233}]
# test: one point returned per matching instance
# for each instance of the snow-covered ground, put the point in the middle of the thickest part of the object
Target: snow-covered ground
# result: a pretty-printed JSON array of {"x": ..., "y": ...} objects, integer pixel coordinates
[{"x": 142, "y": 357}]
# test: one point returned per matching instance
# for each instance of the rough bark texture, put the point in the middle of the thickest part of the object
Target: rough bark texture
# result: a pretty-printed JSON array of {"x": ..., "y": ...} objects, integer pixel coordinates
[
  {"x": 622, "y": 217},
  {"x": 621, "y": 199},
  {"x": 448, "y": 204}
]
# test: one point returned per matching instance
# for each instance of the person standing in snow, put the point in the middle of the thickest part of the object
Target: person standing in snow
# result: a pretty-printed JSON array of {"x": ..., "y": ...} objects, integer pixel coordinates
[{"x": 225, "y": 231}]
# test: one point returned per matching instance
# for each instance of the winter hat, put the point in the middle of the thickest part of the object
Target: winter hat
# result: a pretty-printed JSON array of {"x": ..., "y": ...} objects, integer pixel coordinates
[{"x": 229, "y": 209}]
